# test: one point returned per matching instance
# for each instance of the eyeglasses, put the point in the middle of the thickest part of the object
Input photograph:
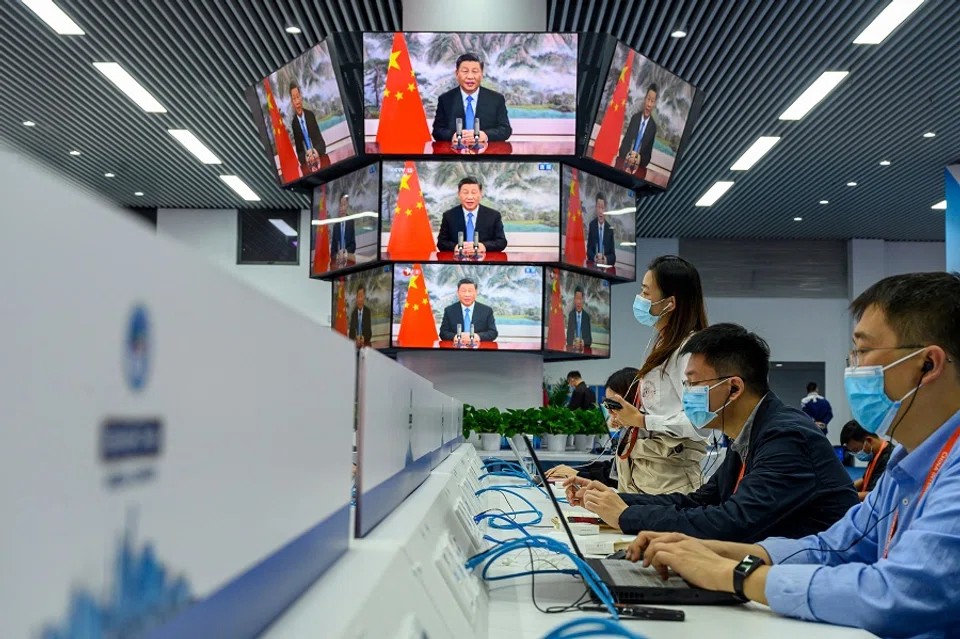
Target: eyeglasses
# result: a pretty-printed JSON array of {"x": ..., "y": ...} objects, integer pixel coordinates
[
  {"x": 687, "y": 385},
  {"x": 853, "y": 359}
]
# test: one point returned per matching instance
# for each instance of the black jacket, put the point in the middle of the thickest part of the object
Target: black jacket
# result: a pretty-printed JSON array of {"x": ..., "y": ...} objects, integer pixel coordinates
[
  {"x": 484, "y": 323},
  {"x": 366, "y": 330},
  {"x": 593, "y": 242},
  {"x": 630, "y": 138},
  {"x": 488, "y": 229},
  {"x": 349, "y": 235},
  {"x": 491, "y": 109},
  {"x": 316, "y": 139},
  {"x": 880, "y": 468},
  {"x": 585, "y": 332},
  {"x": 582, "y": 397},
  {"x": 794, "y": 486}
]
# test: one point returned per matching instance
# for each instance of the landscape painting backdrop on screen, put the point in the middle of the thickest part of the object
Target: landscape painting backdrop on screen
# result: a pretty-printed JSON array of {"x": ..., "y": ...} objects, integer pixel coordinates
[
  {"x": 527, "y": 98},
  {"x": 608, "y": 248},
  {"x": 335, "y": 246},
  {"x": 505, "y": 305},
  {"x": 418, "y": 196},
  {"x": 565, "y": 295},
  {"x": 361, "y": 306},
  {"x": 642, "y": 117},
  {"x": 302, "y": 110}
]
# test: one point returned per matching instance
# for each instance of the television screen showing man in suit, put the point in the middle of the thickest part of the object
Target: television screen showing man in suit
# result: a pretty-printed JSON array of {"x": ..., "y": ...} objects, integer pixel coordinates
[
  {"x": 344, "y": 223},
  {"x": 578, "y": 322},
  {"x": 343, "y": 236},
  {"x": 300, "y": 116},
  {"x": 434, "y": 306},
  {"x": 512, "y": 209},
  {"x": 520, "y": 87},
  {"x": 361, "y": 306},
  {"x": 578, "y": 314},
  {"x": 360, "y": 328},
  {"x": 600, "y": 236},
  {"x": 643, "y": 115}
]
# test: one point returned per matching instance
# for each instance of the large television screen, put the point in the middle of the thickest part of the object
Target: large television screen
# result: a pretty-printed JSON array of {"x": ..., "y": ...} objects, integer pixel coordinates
[
  {"x": 519, "y": 90},
  {"x": 344, "y": 221},
  {"x": 302, "y": 123},
  {"x": 434, "y": 306},
  {"x": 599, "y": 224},
  {"x": 578, "y": 314},
  {"x": 361, "y": 306},
  {"x": 512, "y": 210},
  {"x": 642, "y": 118}
]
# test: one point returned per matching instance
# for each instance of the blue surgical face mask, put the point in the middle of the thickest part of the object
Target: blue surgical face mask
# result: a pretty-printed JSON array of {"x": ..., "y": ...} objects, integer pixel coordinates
[
  {"x": 863, "y": 456},
  {"x": 641, "y": 311},
  {"x": 696, "y": 405},
  {"x": 868, "y": 401}
]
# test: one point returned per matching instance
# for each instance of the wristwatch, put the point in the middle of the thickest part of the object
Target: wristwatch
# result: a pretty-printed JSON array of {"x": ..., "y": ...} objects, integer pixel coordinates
[{"x": 743, "y": 570}]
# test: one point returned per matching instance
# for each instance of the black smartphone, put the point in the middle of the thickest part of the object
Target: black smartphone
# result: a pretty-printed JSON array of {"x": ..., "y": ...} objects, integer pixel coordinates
[
  {"x": 612, "y": 404},
  {"x": 639, "y": 612}
]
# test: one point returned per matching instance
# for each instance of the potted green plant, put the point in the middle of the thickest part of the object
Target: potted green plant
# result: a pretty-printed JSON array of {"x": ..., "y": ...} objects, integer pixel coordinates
[
  {"x": 558, "y": 423},
  {"x": 470, "y": 433},
  {"x": 591, "y": 424},
  {"x": 521, "y": 421},
  {"x": 486, "y": 422}
]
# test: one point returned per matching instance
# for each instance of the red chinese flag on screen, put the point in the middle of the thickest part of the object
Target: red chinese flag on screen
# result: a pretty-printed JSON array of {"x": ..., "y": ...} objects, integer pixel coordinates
[
  {"x": 289, "y": 165},
  {"x": 417, "y": 326},
  {"x": 321, "y": 248},
  {"x": 607, "y": 144},
  {"x": 403, "y": 122},
  {"x": 575, "y": 248},
  {"x": 340, "y": 322},
  {"x": 556, "y": 328},
  {"x": 411, "y": 237}
]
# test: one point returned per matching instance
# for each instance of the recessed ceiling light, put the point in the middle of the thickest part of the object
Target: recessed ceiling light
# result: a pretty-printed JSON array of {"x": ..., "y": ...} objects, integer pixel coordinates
[
  {"x": 54, "y": 16},
  {"x": 679, "y": 33},
  {"x": 714, "y": 193},
  {"x": 851, "y": 183},
  {"x": 283, "y": 227},
  {"x": 74, "y": 153},
  {"x": 884, "y": 162},
  {"x": 929, "y": 134},
  {"x": 193, "y": 144},
  {"x": 628, "y": 243},
  {"x": 824, "y": 201},
  {"x": 139, "y": 193},
  {"x": 779, "y": 365},
  {"x": 888, "y": 20},
  {"x": 816, "y": 92},
  {"x": 798, "y": 219},
  {"x": 240, "y": 187},
  {"x": 756, "y": 151},
  {"x": 109, "y": 175},
  {"x": 133, "y": 89},
  {"x": 29, "y": 123},
  {"x": 940, "y": 206},
  {"x": 293, "y": 30}
]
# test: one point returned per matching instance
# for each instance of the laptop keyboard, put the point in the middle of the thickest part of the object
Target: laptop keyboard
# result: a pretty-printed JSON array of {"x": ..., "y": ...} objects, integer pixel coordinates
[{"x": 627, "y": 573}]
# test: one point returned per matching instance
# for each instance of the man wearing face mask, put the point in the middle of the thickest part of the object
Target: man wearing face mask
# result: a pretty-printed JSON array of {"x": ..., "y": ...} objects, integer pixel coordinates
[
  {"x": 891, "y": 566},
  {"x": 780, "y": 477},
  {"x": 869, "y": 448}
]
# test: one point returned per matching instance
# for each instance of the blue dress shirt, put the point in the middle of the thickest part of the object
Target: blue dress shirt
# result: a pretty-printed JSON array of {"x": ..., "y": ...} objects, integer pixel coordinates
[{"x": 915, "y": 590}]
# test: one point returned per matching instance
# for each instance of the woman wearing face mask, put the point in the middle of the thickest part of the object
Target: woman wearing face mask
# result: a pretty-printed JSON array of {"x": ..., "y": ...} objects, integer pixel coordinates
[
  {"x": 662, "y": 450},
  {"x": 623, "y": 382}
]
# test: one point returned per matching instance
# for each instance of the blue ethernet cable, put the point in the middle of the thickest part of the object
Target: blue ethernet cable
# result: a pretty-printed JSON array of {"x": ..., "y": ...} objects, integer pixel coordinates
[
  {"x": 591, "y": 627},
  {"x": 533, "y": 509}
]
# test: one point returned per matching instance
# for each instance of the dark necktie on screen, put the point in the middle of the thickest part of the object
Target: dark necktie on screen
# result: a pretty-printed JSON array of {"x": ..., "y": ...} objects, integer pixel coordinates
[
  {"x": 643, "y": 127},
  {"x": 306, "y": 136},
  {"x": 468, "y": 119},
  {"x": 469, "y": 227},
  {"x": 359, "y": 321},
  {"x": 466, "y": 319},
  {"x": 578, "y": 326},
  {"x": 600, "y": 247},
  {"x": 343, "y": 236}
]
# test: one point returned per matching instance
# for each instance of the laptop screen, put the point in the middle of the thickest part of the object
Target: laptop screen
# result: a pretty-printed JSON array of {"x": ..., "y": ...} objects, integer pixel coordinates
[{"x": 553, "y": 499}]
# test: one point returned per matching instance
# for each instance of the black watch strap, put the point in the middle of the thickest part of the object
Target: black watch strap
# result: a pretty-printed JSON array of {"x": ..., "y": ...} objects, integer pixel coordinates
[{"x": 743, "y": 570}]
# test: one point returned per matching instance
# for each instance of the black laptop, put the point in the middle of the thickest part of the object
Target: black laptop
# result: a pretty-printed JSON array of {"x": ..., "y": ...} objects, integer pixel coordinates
[{"x": 630, "y": 582}]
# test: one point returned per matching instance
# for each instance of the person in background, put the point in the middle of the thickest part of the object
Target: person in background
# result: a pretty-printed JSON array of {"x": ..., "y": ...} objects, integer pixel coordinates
[
  {"x": 620, "y": 383},
  {"x": 817, "y": 407},
  {"x": 891, "y": 566},
  {"x": 360, "y": 328},
  {"x": 780, "y": 477},
  {"x": 600, "y": 239},
  {"x": 867, "y": 447},
  {"x": 582, "y": 395},
  {"x": 578, "y": 321}
]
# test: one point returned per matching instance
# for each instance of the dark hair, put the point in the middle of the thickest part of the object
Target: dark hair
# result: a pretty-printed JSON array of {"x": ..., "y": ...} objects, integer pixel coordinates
[
  {"x": 469, "y": 57},
  {"x": 676, "y": 277},
  {"x": 852, "y": 431},
  {"x": 921, "y": 308},
  {"x": 601, "y": 196},
  {"x": 343, "y": 195},
  {"x": 362, "y": 288},
  {"x": 469, "y": 180},
  {"x": 621, "y": 381},
  {"x": 653, "y": 87},
  {"x": 732, "y": 350},
  {"x": 574, "y": 375},
  {"x": 466, "y": 280},
  {"x": 811, "y": 387},
  {"x": 294, "y": 85},
  {"x": 578, "y": 289}
]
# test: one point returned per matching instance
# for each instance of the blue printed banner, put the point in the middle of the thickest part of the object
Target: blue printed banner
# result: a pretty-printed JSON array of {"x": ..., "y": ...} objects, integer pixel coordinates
[{"x": 952, "y": 216}]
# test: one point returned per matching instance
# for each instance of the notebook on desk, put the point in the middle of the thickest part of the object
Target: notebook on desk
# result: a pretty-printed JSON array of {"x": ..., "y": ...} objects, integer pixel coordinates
[{"x": 630, "y": 582}]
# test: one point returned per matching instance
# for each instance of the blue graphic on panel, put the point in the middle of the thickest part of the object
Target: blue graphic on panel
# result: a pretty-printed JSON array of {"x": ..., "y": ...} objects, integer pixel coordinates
[
  {"x": 952, "y": 217},
  {"x": 409, "y": 458},
  {"x": 137, "y": 348},
  {"x": 145, "y": 596}
]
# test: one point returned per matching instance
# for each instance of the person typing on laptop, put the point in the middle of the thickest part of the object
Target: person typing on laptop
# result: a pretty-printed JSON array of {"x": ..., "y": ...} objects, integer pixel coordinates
[
  {"x": 891, "y": 566},
  {"x": 781, "y": 476}
]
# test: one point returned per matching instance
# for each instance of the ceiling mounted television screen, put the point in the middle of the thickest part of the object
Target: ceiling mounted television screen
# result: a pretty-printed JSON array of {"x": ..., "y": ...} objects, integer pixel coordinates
[
  {"x": 345, "y": 222},
  {"x": 578, "y": 314}
]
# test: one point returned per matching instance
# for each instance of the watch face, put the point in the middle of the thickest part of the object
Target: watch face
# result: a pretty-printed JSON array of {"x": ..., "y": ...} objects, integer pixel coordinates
[{"x": 748, "y": 563}]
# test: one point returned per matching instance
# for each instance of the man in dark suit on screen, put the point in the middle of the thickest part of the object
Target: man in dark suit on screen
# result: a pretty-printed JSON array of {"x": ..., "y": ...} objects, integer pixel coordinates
[
  {"x": 578, "y": 321},
  {"x": 473, "y": 220},
  {"x": 637, "y": 144},
  {"x": 466, "y": 311},
  {"x": 600, "y": 235},
  {"x": 361, "y": 328},
  {"x": 470, "y": 101},
  {"x": 306, "y": 131},
  {"x": 343, "y": 235}
]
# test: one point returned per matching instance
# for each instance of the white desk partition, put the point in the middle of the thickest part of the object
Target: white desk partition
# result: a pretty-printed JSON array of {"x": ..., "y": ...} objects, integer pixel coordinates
[{"x": 164, "y": 466}]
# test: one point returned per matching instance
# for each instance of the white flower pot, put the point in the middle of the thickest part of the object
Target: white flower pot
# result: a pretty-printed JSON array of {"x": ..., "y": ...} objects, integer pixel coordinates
[
  {"x": 583, "y": 443},
  {"x": 490, "y": 441},
  {"x": 556, "y": 443},
  {"x": 570, "y": 441},
  {"x": 474, "y": 439},
  {"x": 518, "y": 442}
]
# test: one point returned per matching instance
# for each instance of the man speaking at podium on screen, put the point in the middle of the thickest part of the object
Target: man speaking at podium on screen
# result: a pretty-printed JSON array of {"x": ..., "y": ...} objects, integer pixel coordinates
[
  {"x": 636, "y": 148},
  {"x": 466, "y": 312},
  {"x": 306, "y": 131},
  {"x": 471, "y": 102},
  {"x": 475, "y": 221}
]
